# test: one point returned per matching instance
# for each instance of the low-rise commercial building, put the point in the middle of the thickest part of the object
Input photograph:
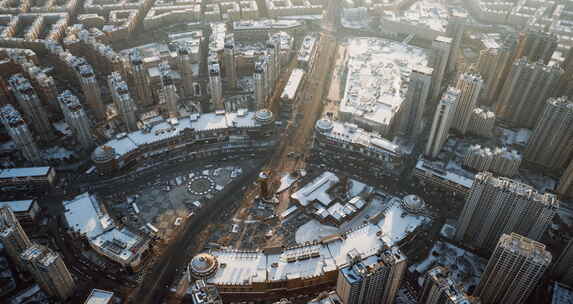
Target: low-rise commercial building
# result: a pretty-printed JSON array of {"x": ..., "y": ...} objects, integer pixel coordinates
[
  {"x": 192, "y": 137},
  {"x": 289, "y": 95},
  {"x": 87, "y": 219},
  {"x": 24, "y": 210},
  {"x": 346, "y": 145},
  {"x": 32, "y": 179},
  {"x": 442, "y": 178},
  {"x": 277, "y": 272}
]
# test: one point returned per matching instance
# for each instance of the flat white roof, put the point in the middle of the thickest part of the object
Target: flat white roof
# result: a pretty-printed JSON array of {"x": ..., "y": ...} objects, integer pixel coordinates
[
  {"x": 304, "y": 261},
  {"x": 351, "y": 133},
  {"x": 24, "y": 172},
  {"x": 446, "y": 175},
  {"x": 98, "y": 296},
  {"x": 164, "y": 130},
  {"x": 396, "y": 225},
  {"x": 316, "y": 190},
  {"x": 84, "y": 215},
  {"x": 293, "y": 84},
  {"x": 18, "y": 206}
]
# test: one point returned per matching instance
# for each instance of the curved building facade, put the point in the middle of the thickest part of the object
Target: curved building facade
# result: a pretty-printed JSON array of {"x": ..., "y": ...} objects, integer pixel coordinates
[{"x": 193, "y": 137}]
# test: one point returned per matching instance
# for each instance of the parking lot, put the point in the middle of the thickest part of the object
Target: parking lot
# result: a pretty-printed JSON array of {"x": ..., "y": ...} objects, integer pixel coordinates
[{"x": 162, "y": 206}]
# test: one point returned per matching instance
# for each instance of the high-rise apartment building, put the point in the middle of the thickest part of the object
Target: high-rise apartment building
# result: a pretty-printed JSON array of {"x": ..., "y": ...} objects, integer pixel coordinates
[
  {"x": 565, "y": 86},
  {"x": 139, "y": 80},
  {"x": 49, "y": 271},
  {"x": 92, "y": 91},
  {"x": 77, "y": 119},
  {"x": 443, "y": 118},
  {"x": 186, "y": 70},
  {"x": 513, "y": 270},
  {"x": 441, "y": 47},
  {"x": 537, "y": 45},
  {"x": 502, "y": 161},
  {"x": 455, "y": 30},
  {"x": 470, "y": 85},
  {"x": 482, "y": 122},
  {"x": 260, "y": 84},
  {"x": 123, "y": 102},
  {"x": 527, "y": 87},
  {"x": 168, "y": 94},
  {"x": 20, "y": 133},
  {"x": 412, "y": 110},
  {"x": 32, "y": 107},
  {"x": 565, "y": 188},
  {"x": 440, "y": 288},
  {"x": 273, "y": 55},
  {"x": 495, "y": 62},
  {"x": 563, "y": 266},
  {"x": 498, "y": 205},
  {"x": 373, "y": 281},
  {"x": 216, "y": 87},
  {"x": 229, "y": 62},
  {"x": 269, "y": 74},
  {"x": 12, "y": 235},
  {"x": 550, "y": 145}
]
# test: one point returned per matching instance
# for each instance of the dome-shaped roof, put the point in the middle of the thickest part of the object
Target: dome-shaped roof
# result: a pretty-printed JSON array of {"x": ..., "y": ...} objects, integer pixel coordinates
[
  {"x": 103, "y": 154},
  {"x": 324, "y": 125},
  {"x": 203, "y": 265},
  {"x": 413, "y": 202},
  {"x": 264, "y": 116}
]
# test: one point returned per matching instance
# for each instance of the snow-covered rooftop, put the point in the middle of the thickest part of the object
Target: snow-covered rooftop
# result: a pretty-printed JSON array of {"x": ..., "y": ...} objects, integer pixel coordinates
[
  {"x": 307, "y": 48},
  {"x": 265, "y": 24},
  {"x": 293, "y": 84},
  {"x": 351, "y": 133},
  {"x": 396, "y": 224},
  {"x": 18, "y": 206},
  {"x": 85, "y": 216},
  {"x": 316, "y": 190},
  {"x": 305, "y": 261},
  {"x": 24, "y": 172},
  {"x": 423, "y": 13},
  {"x": 377, "y": 79},
  {"x": 125, "y": 143},
  {"x": 444, "y": 174},
  {"x": 98, "y": 296}
]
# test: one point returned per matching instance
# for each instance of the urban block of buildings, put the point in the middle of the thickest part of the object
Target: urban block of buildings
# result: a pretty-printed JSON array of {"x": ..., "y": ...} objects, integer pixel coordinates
[
  {"x": 88, "y": 220},
  {"x": 376, "y": 84}
]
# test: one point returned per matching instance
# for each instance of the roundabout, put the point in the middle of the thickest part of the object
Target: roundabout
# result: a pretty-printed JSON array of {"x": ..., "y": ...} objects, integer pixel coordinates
[{"x": 201, "y": 185}]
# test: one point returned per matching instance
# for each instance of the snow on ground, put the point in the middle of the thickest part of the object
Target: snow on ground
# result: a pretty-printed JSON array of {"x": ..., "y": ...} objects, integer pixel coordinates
[
  {"x": 565, "y": 212},
  {"x": 397, "y": 224},
  {"x": 356, "y": 187},
  {"x": 538, "y": 181},
  {"x": 286, "y": 181},
  {"x": 518, "y": 137},
  {"x": 57, "y": 153},
  {"x": 313, "y": 230},
  {"x": 63, "y": 127},
  {"x": 465, "y": 267}
]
